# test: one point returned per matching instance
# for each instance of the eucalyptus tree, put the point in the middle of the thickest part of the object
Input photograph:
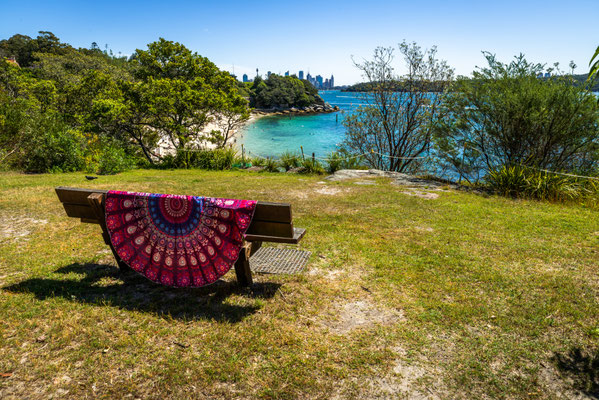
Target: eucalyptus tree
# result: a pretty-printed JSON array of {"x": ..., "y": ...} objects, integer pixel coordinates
[{"x": 394, "y": 126}]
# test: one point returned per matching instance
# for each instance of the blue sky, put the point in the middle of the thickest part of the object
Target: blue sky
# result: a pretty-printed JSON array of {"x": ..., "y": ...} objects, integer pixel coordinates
[{"x": 321, "y": 36}]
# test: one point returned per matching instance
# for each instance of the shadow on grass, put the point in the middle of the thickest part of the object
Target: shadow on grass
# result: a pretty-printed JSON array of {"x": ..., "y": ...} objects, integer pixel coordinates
[
  {"x": 106, "y": 285},
  {"x": 583, "y": 368}
]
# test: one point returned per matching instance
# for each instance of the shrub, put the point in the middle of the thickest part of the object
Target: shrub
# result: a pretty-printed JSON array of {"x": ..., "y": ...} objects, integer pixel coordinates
[
  {"x": 222, "y": 158},
  {"x": 525, "y": 182},
  {"x": 271, "y": 165},
  {"x": 506, "y": 115},
  {"x": 312, "y": 166},
  {"x": 289, "y": 160},
  {"x": 216, "y": 159},
  {"x": 334, "y": 161},
  {"x": 258, "y": 161},
  {"x": 52, "y": 147},
  {"x": 113, "y": 160}
]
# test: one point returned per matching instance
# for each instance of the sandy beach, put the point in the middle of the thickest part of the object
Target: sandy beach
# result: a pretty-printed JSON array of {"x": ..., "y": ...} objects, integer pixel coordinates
[{"x": 165, "y": 147}]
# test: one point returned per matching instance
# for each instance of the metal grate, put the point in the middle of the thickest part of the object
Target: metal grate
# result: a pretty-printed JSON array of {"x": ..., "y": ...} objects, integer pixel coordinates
[{"x": 273, "y": 260}]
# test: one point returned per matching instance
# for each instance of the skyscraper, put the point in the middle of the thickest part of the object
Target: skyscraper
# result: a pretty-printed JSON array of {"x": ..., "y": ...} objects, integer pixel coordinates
[
  {"x": 287, "y": 73},
  {"x": 301, "y": 74},
  {"x": 332, "y": 81},
  {"x": 245, "y": 78},
  {"x": 319, "y": 82}
]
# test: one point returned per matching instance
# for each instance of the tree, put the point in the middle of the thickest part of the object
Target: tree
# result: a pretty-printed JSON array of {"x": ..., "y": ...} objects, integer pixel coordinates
[
  {"x": 178, "y": 92},
  {"x": 505, "y": 115},
  {"x": 394, "y": 128},
  {"x": 283, "y": 92},
  {"x": 594, "y": 67}
]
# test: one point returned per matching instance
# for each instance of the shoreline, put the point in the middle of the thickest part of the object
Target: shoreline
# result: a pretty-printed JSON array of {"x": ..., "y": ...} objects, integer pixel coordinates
[{"x": 165, "y": 147}]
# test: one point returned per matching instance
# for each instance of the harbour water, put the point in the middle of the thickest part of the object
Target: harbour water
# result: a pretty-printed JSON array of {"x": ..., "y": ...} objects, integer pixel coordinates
[{"x": 320, "y": 133}]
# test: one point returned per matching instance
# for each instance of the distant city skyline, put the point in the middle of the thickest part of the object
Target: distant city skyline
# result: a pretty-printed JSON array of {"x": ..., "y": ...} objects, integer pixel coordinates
[
  {"x": 318, "y": 81},
  {"x": 279, "y": 36}
]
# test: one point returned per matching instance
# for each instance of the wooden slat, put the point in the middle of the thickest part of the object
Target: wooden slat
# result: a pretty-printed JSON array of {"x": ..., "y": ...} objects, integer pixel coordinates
[
  {"x": 79, "y": 211},
  {"x": 270, "y": 229},
  {"x": 75, "y": 195},
  {"x": 272, "y": 222},
  {"x": 265, "y": 211},
  {"x": 298, "y": 234},
  {"x": 273, "y": 212}
]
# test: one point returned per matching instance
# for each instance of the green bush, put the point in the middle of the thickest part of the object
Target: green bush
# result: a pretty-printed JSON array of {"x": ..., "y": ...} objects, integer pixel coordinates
[
  {"x": 289, "y": 160},
  {"x": 334, "y": 161},
  {"x": 524, "y": 182},
  {"x": 217, "y": 159},
  {"x": 271, "y": 165},
  {"x": 222, "y": 159},
  {"x": 312, "y": 166},
  {"x": 258, "y": 161},
  {"x": 113, "y": 160},
  {"x": 350, "y": 160},
  {"x": 52, "y": 147}
]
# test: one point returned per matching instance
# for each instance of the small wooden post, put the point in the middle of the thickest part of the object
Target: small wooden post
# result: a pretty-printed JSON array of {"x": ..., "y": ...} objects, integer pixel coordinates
[
  {"x": 303, "y": 158},
  {"x": 96, "y": 202},
  {"x": 242, "y": 157},
  {"x": 313, "y": 159}
]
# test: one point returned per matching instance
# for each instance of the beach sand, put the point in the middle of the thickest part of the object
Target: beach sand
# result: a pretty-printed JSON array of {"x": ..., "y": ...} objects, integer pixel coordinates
[{"x": 165, "y": 147}]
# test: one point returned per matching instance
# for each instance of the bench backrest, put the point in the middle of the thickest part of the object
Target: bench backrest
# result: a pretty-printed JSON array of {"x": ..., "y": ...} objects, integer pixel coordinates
[{"x": 272, "y": 222}]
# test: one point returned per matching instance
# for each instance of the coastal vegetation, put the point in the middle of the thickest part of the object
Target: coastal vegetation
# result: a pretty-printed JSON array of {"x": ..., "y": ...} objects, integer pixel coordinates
[
  {"x": 576, "y": 79},
  {"x": 282, "y": 92},
  {"x": 505, "y": 116},
  {"x": 67, "y": 109}
]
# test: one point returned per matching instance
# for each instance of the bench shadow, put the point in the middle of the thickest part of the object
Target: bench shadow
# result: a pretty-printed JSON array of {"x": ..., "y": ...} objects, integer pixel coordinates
[
  {"x": 105, "y": 285},
  {"x": 583, "y": 368}
]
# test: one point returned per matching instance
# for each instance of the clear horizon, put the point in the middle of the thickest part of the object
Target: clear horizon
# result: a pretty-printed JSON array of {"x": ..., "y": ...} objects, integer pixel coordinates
[{"x": 321, "y": 38}]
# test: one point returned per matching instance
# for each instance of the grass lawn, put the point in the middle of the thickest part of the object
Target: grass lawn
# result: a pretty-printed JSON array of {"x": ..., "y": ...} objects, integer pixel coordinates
[{"x": 460, "y": 296}]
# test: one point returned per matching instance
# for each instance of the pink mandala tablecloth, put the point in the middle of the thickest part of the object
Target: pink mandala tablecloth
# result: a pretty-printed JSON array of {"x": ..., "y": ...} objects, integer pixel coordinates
[{"x": 182, "y": 241}]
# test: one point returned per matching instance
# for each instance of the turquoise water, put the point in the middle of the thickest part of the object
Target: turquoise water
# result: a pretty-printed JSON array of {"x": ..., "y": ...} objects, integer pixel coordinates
[
  {"x": 319, "y": 134},
  {"x": 270, "y": 136}
]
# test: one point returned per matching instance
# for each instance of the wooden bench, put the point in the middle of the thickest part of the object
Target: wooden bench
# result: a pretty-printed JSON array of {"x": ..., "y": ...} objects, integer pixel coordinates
[{"x": 272, "y": 222}]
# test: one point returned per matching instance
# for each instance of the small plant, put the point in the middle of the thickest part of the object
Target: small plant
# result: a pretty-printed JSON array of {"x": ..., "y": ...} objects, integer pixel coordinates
[
  {"x": 351, "y": 161},
  {"x": 271, "y": 165},
  {"x": 508, "y": 181},
  {"x": 335, "y": 162},
  {"x": 222, "y": 158},
  {"x": 258, "y": 162},
  {"x": 525, "y": 182},
  {"x": 290, "y": 160},
  {"x": 312, "y": 166}
]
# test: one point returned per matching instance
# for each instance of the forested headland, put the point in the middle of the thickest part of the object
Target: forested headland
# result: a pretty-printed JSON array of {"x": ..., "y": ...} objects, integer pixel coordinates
[{"x": 67, "y": 109}]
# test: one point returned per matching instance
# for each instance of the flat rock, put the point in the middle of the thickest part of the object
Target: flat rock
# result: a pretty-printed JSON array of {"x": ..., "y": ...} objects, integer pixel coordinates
[{"x": 397, "y": 177}]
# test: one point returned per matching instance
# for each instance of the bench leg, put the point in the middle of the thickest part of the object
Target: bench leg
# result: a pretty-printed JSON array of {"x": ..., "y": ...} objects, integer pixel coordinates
[
  {"x": 242, "y": 266},
  {"x": 96, "y": 201}
]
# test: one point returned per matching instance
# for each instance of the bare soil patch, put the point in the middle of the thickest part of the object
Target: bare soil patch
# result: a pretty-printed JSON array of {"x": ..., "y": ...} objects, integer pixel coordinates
[
  {"x": 18, "y": 227},
  {"x": 422, "y": 195},
  {"x": 362, "y": 314}
]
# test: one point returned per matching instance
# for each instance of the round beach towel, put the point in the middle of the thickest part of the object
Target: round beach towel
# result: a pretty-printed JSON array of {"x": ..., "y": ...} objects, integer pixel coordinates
[{"x": 182, "y": 241}]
